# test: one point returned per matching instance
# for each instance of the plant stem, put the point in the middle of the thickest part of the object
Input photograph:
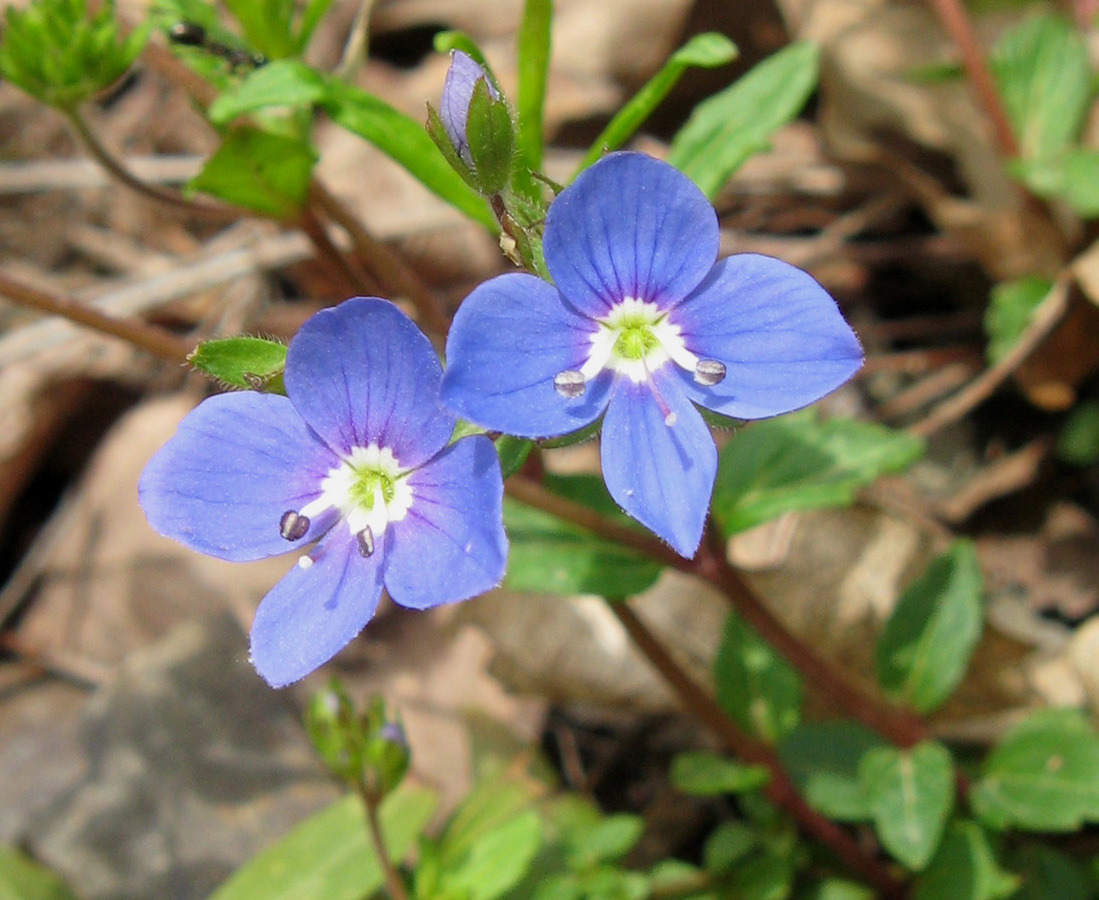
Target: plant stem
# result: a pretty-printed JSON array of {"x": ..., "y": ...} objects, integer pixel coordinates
[
  {"x": 894, "y": 724},
  {"x": 393, "y": 273},
  {"x": 124, "y": 176},
  {"x": 393, "y": 884},
  {"x": 779, "y": 789},
  {"x": 157, "y": 341},
  {"x": 955, "y": 21}
]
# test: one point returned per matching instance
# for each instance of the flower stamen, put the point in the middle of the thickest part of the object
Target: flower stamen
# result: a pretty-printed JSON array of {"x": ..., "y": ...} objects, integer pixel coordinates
[
  {"x": 293, "y": 525},
  {"x": 365, "y": 541}
]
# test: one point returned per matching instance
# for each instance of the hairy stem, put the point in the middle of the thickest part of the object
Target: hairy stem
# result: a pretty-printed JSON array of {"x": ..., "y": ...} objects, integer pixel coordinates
[
  {"x": 393, "y": 884},
  {"x": 779, "y": 789},
  {"x": 155, "y": 340}
]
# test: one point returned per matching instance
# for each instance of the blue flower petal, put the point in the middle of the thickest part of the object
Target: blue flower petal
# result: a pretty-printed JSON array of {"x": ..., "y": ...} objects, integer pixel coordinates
[
  {"x": 235, "y": 465},
  {"x": 461, "y": 79},
  {"x": 629, "y": 226},
  {"x": 780, "y": 335},
  {"x": 313, "y": 613},
  {"x": 451, "y": 546},
  {"x": 661, "y": 475},
  {"x": 510, "y": 337},
  {"x": 361, "y": 373}
]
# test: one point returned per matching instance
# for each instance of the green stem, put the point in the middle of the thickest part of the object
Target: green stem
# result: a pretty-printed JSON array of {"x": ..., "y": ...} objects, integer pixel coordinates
[{"x": 393, "y": 884}]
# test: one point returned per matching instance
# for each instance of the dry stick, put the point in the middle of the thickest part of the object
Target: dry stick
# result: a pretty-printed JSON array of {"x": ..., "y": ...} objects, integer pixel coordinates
[
  {"x": 779, "y": 789},
  {"x": 395, "y": 275},
  {"x": 316, "y": 231},
  {"x": 956, "y": 23},
  {"x": 1048, "y": 313},
  {"x": 155, "y": 340}
]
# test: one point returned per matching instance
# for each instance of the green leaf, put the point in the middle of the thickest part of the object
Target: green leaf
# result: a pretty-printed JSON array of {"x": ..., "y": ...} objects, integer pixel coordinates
[
  {"x": 837, "y": 889},
  {"x": 707, "y": 774},
  {"x": 513, "y": 452},
  {"x": 1078, "y": 442},
  {"x": 407, "y": 143},
  {"x": 727, "y": 845},
  {"x": 445, "y": 41},
  {"x": 329, "y": 855},
  {"x": 24, "y": 879},
  {"x": 605, "y": 840},
  {"x": 267, "y": 173},
  {"x": 755, "y": 685},
  {"x": 266, "y": 25},
  {"x": 497, "y": 861},
  {"x": 533, "y": 63},
  {"x": 283, "y": 83},
  {"x": 799, "y": 462},
  {"x": 707, "y": 51},
  {"x": 310, "y": 17},
  {"x": 58, "y": 53},
  {"x": 823, "y": 760},
  {"x": 726, "y": 129},
  {"x": 1010, "y": 306},
  {"x": 1043, "y": 776},
  {"x": 548, "y": 555},
  {"x": 763, "y": 876},
  {"x": 490, "y": 805},
  {"x": 240, "y": 362},
  {"x": 911, "y": 794},
  {"x": 964, "y": 868},
  {"x": 1048, "y": 874},
  {"x": 1072, "y": 177},
  {"x": 924, "y": 649},
  {"x": 1041, "y": 70}
]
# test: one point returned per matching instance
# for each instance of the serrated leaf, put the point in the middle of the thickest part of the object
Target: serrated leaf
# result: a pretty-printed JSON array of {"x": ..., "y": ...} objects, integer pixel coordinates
[
  {"x": 240, "y": 362},
  {"x": 548, "y": 555},
  {"x": 491, "y": 141},
  {"x": 283, "y": 83},
  {"x": 329, "y": 855},
  {"x": 1010, "y": 306},
  {"x": 799, "y": 462},
  {"x": 1043, "y": 776},
  {"x": 268, "y": 173},
  {"x": 496, "y": 861},
  {"x": 23, "y": 879},
  {"x": 533, "y": 53},
  {"x": 964, "y": 868},
  {"x": 726, "y": 129},
  {"x": 755, "y": 685},
  {"x": 708, "y": 51},
  {"x": 925, "y": 647},
  {"x": 707, "y": 774},
  {"x": 407, "y": 143},
  {"x": 911, "y": 794},
  {"x": 1041, "y": 70},
  {"x": 823, "y": 760}
]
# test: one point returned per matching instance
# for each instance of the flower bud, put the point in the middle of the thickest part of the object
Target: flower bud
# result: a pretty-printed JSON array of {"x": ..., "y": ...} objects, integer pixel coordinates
[{"x": 473, "y": 126}]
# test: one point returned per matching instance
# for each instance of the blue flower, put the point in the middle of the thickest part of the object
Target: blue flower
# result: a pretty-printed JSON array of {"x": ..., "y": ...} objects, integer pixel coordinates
[
  {"x": 461, "y": 79},
  {"x": 356, "y": 459},
  {"x": 643, "y": 326}
]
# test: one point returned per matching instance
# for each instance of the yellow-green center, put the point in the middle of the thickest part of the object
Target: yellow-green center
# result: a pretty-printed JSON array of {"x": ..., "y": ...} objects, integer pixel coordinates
[
  {"x": 362, "y": 484},
  {"x": 634, "y": 339}
]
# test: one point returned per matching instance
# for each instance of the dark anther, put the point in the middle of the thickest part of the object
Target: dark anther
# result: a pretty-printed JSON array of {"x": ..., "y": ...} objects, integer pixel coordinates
[
  {"x": 366, "y": 542},
  {"x": 569, "y": 384},
  {"x": 293, "y": 526},
  {"x": 709, "y": 372}
]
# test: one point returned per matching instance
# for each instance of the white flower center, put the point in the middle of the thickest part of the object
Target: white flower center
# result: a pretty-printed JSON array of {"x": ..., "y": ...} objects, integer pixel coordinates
[
  {"x": 368, "y": 489},
  {"x": 635, "y": 339}
]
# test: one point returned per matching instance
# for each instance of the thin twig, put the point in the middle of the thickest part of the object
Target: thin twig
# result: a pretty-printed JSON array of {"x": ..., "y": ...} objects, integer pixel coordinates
[
  {"x": 354, "y": 51},
  {"x": 779, "y": 788},
  {"x": 209, "y": 211},
  {"x": 1048, "y": 313},
  {"x": 955, "y": 21},
  {"x": 354, "y": 279},
  {"x": 155, "y": 340},
  {"x": 393, "y": 883},
  {"x": 395, "y": 275}
]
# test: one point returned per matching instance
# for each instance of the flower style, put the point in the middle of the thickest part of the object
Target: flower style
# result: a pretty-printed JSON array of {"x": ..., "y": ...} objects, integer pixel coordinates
[
  {"x": 356, "y": 459},
  {"x": 643, "y": 326}
]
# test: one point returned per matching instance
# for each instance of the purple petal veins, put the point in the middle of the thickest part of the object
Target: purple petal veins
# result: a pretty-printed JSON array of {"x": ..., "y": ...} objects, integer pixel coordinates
[
  {"x": 352, "y": 471},
  {"x": 642, "y": 325}
]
